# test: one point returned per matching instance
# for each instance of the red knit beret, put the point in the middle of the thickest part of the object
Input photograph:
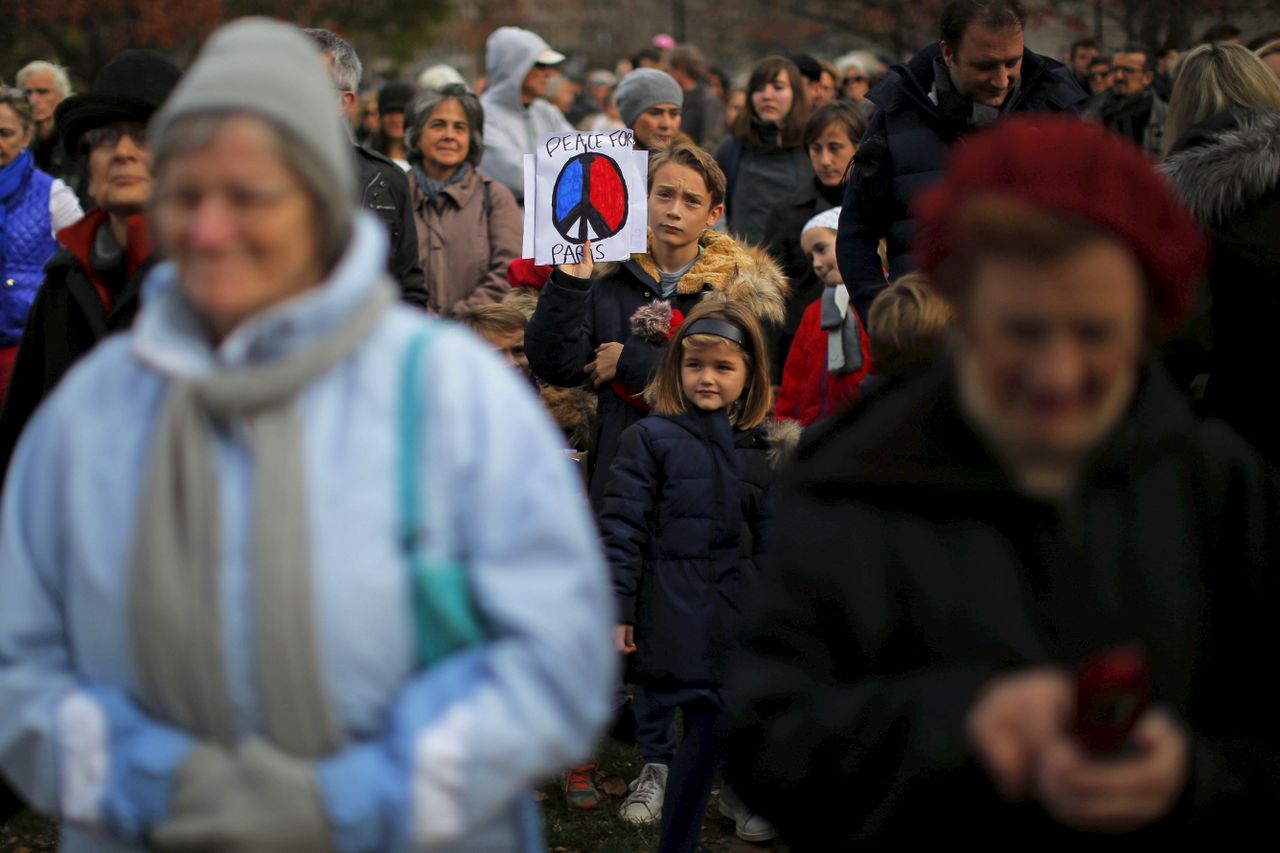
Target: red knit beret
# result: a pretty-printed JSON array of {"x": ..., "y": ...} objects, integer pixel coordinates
[{"x": 1062, "y": 165}]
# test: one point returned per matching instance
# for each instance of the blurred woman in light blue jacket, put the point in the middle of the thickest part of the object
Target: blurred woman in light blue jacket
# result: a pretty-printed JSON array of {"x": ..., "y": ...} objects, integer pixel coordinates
[{"x": 211, "y": 629}]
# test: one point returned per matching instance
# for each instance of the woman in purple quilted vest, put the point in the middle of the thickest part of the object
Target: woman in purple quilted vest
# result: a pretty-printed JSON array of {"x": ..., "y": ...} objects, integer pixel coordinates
[{"x": 33, "y": 207}]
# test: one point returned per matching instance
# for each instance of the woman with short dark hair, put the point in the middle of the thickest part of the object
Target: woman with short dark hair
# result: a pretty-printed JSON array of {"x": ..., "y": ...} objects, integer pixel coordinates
[{"x": 470, "y": 227}]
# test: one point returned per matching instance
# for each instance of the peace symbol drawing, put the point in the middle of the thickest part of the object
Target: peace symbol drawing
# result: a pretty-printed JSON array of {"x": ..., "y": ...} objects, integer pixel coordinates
[{"x": 590, "y": 199}]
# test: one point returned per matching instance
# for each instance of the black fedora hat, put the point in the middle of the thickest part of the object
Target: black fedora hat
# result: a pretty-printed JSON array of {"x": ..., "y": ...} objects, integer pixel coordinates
[{"x": 130, "y": 87}]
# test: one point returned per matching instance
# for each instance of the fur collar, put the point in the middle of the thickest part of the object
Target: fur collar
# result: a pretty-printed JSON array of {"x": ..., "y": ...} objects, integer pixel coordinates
[
  {"x": 1230, "y": 169},
  {"x": 727, "y": 269}
]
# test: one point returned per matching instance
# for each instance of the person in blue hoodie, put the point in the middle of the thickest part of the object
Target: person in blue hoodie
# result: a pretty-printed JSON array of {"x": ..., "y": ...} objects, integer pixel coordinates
[
  {"x": 687, "y": 514},
  {"x": 220, "y": 532},
  {"x": 520, "y": 66}
]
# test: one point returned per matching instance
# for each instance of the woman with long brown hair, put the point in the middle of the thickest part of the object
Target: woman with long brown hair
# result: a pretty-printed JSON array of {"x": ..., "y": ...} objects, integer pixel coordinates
[{"x": 764, "y": 158}]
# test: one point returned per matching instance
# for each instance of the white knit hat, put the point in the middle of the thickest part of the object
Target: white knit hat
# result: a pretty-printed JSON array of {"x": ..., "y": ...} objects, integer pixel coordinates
[{"x": 826, "y": 219}]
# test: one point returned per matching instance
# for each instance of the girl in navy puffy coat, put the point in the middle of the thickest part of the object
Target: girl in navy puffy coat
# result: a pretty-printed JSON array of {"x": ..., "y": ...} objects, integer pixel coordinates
[{"x": 687, "y": 508}]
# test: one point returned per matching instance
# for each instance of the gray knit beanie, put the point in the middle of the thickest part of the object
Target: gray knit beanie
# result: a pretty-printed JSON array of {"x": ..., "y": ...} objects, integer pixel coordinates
[
  {"x": 645, "y": 88},
  {"x": 271, "y": 70}
]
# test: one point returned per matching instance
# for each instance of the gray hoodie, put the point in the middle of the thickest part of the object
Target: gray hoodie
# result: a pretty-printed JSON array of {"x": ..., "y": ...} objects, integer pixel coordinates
[{"x": 510, "y": 128}]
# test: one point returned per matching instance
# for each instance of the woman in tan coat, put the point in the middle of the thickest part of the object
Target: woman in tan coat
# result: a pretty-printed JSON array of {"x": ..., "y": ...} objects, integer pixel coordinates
[{"x": 469, "y": 226}]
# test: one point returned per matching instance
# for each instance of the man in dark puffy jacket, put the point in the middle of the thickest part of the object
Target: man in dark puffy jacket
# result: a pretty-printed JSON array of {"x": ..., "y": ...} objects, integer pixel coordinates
[
  {"x": 384, "y": 190},
  {"x": 979, "y": 71}
]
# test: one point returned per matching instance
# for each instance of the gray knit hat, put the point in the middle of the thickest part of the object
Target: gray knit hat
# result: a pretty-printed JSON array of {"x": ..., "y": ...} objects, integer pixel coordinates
[
  {"x": 645, "y": 88},
  {"x": 271, "y": 70}
]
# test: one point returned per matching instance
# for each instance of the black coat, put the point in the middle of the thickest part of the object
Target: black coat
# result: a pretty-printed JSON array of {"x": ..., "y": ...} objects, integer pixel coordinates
[
  {"x": 66, "y": 321},
  {"x": 789, "y": 218},
  {"x": 1228, "y": 172},
  {"x": 914, "y": 573},
  {"x": 575, "y": 315},
  {"x": 904, "y": 151},
  {"x": 384, "y": 190},
  {"x": 687, "y": 512}
]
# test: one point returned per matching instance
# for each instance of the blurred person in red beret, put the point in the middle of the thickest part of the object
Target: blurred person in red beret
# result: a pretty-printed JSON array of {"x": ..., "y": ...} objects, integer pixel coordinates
[{"x": 958, "y": 552}]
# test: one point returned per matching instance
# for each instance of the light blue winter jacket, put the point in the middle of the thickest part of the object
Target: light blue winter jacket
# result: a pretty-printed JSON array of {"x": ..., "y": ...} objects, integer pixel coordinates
[
  {"x": 435, "y": 757},
  {"x": 511, "y": 129}
]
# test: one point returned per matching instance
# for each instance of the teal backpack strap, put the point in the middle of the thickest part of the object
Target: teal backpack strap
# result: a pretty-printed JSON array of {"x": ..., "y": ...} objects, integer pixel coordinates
[{"x": 445, "y": 618}]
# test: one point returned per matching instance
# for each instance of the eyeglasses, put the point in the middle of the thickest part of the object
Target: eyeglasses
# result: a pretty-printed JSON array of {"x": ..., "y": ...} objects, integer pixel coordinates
[
  {"x": 1099, "y": 75},
  {"x": 858, "y": 79},
  {"x": 110, "y": 135}
]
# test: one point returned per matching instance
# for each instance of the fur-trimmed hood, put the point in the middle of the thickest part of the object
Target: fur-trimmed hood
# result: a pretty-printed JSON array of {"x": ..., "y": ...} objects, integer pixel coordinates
[
  {"x": 727, "y": 269},
  {"x": 1221, "y": 166}
]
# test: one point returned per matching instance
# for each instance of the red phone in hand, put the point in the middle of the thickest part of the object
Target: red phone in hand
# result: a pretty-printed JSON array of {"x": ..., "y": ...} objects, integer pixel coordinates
[{"x": 1113, "y": 689}]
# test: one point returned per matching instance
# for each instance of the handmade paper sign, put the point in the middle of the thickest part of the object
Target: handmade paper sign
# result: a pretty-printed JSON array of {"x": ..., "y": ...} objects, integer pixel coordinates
[{"x": 585, "y": 186}]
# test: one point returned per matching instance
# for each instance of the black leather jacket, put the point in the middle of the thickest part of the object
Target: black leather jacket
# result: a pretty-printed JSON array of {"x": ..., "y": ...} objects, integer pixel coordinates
[{"x": 384, "y": 190}]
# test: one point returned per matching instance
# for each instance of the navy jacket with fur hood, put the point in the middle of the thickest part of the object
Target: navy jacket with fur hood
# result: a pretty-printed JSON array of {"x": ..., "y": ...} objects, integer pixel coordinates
[{"x": 687, "y": 512}]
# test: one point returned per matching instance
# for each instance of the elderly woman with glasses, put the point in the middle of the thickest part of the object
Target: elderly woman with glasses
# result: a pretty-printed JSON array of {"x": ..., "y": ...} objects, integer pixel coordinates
[
  {"x": 92, "y": 284},
  {"x": 469, "y": 226},
  {"x": 33, "y": 207},
  {"x": 252, "y": 596}
]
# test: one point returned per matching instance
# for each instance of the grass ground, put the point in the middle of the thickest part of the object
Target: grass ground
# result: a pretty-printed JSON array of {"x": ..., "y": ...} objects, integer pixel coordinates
[
  {"x": 579, "y": 831},
  {"x": 28, "y": 832}
]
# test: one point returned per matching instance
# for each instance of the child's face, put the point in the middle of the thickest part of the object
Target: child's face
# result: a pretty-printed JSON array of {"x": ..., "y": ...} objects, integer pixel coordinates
[
  {"x": 713, "y": 377},
  {"x": 680, "y": 207},
  {"x": 819, "y": 246},
  {"x": 510, "y": 346}
]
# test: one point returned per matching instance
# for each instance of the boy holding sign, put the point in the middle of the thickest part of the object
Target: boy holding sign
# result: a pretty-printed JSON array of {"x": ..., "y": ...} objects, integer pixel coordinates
[{"x": 582, "y": 330}]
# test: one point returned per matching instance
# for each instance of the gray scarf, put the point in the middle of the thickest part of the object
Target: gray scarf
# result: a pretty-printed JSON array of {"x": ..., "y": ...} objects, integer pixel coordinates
[
  {"x": 174, "y": 585},
  {"x": 954, "y": 106},
  {"x": 844, "y": 349}
]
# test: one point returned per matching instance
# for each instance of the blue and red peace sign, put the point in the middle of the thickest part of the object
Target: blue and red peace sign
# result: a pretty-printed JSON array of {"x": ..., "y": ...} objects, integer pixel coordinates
[{"x": 590, "y": 199}]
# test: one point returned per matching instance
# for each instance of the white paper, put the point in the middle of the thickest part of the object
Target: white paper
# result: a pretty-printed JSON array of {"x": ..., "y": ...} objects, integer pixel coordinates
[
  {"x": 530, "y": 204},
  {"x": 639, "y": 225},
  {"x": 586, "y": 186}
]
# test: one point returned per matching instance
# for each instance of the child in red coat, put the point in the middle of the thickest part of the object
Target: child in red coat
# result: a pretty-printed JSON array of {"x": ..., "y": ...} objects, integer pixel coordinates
[{"x": 830, "y": 355}]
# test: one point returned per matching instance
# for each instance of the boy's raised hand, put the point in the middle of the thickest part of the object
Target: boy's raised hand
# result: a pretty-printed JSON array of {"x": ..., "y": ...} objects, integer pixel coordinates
[{"x": 584, "y": 267}]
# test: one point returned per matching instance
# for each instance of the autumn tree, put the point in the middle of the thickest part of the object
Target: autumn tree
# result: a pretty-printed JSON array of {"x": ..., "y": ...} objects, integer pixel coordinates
[{"x": 84, "y": 34}]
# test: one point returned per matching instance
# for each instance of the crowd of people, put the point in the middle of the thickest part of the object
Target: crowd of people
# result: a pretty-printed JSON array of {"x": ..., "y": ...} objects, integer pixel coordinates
[{"x": 916, "y": 467}]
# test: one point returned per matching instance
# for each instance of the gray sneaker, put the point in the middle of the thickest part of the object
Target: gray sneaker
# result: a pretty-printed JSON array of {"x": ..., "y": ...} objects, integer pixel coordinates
[
  {"x": 644, "y": 803},
  {"x": 747, "y": 825}
]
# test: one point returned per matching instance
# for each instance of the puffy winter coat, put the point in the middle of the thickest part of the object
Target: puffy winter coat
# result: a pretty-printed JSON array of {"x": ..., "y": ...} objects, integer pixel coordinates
[
  {"x": 911, "y": 573},
  {"x": 687, "y": 513},
  {"x": 1228, "y": 172},
  {"x": 512, "y": 128},
  {"x": 432, "y": 758},
  {"x": 575, "y": 315},
  {"x": 75, "y": 308},
  {"x": 29, "y": 244},
  {"x": 809, "y": 391},
  {"x": 904, "y": 151}
]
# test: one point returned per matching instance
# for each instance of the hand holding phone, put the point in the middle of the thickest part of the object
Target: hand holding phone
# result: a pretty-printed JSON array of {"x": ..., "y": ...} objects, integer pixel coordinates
[{"x": 1113, "y": 690}]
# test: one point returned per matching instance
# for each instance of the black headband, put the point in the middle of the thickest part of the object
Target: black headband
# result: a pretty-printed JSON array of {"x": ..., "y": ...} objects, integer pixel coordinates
[{"x": 719, "y": 328}]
